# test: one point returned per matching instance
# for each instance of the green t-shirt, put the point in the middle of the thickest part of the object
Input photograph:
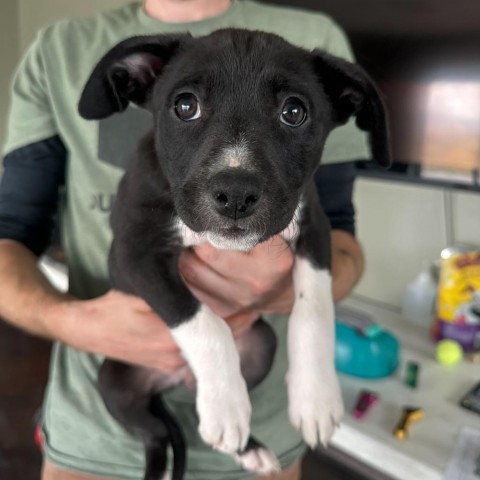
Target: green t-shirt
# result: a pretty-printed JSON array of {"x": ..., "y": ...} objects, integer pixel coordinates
[{"x": 79, "y": 432}]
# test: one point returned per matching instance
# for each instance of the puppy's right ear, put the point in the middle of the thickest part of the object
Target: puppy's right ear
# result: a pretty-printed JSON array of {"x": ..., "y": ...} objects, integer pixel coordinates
[{"x": 127, "y": 73}]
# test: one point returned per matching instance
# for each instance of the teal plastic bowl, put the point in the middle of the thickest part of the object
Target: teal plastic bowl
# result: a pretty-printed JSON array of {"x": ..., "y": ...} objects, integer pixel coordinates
[{"x": 374, "y": 355}]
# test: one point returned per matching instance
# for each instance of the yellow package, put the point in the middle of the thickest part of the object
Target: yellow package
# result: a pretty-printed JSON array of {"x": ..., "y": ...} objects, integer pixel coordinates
[{"x": 458, "y": 302}]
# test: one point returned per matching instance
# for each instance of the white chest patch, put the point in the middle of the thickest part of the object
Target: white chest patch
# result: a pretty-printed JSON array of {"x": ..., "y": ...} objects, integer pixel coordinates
[
  {"x": 243, "y": 243},
  {"x": 290, "y": 234},
  {"x": 188, "y": 236},
  {"x": 191, "y": 238}
]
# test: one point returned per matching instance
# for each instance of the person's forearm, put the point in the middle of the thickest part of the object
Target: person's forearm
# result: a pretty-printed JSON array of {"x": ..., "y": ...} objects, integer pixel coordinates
[
  {"x": 347, "y": 263},
  {"x": 27, "y": 299}
]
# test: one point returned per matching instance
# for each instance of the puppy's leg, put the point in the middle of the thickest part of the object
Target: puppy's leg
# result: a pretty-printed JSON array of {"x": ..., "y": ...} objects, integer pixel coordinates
[
  {"x": 257, "y": 351},
  {"x": 223, "y": 404},
  {"x": 315, "y": 402}
]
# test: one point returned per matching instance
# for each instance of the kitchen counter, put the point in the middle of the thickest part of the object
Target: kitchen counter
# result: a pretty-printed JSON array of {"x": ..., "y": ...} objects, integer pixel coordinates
[{"x": 424, "y": 455}]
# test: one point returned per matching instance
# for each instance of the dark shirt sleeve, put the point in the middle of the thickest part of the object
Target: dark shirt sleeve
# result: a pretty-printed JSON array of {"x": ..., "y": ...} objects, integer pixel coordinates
[
  {"x": 29, "y": 192},
  {"x": 335, "y": 188}
]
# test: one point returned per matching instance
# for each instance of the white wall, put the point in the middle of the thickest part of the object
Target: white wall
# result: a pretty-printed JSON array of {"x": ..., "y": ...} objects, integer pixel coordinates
[
  {"x": 404, "y": 227},
  {"x": 466, "y": 218}
]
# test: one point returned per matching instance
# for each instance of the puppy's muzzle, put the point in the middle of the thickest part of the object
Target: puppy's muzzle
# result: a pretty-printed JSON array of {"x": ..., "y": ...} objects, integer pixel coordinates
[{"x": 235, "y": 194}]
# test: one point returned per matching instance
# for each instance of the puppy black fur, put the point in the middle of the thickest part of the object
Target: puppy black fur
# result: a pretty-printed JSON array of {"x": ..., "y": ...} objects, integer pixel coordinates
[{"x": 245, "y": 85}]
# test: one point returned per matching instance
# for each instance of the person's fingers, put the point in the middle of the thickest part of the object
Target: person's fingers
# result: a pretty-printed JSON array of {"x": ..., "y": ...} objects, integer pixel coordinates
[
  {"x": 261, "y": 265},
  {"x": 195, "y": 271},
  {"x": 241, "y": 322},
  {"x": 224, "y": 262},
  {"x": 222, "y": 295},
  {"x": 274, "y": 247},
  {"x": 169, "y": 363},
  {"x": 217, "y": 304},
  {"x": 245, "y": 281},
  {"x": 189, "y": 379}
]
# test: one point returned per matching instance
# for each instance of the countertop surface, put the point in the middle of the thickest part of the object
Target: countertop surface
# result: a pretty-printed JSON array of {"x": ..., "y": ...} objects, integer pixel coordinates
[{"x": 425, "y": 453}]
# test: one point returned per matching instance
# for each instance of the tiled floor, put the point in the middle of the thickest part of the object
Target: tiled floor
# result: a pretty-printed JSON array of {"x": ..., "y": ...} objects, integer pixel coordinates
[{"x": 23, "y": 373}]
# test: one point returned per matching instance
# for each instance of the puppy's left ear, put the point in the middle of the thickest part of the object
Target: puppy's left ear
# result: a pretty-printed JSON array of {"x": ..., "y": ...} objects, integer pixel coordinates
[
  {"x": 127, "y": 74},
  {"x": 353, "y": 93}
]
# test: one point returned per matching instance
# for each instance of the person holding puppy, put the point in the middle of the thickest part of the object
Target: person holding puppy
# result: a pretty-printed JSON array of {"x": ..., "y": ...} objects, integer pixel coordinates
[{"x": 49, "y": 147}]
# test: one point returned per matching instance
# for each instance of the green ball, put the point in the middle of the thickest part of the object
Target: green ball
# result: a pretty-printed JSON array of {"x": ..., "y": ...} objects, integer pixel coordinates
[{"x": 449, "y": 352}]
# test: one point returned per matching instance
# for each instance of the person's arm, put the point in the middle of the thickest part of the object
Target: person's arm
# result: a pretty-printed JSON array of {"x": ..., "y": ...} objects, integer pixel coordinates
[
  {"x": 116, "y": 325},
  {"x": 26, "y": 294},
  {"x": 347, "y": 263},
  {"x": 29, "y": 193}
]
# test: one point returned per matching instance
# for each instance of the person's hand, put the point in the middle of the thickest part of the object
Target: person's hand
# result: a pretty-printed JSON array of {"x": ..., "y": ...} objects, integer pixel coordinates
[
  {"x": 238, "y": 286},
  {"x": 119, "y": 326}
]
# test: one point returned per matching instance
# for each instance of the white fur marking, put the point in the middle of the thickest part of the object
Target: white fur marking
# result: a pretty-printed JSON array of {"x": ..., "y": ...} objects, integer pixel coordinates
[
  {"x": 315, "y": 401},
  {"x": 223, "y": 404},
  {"x": 243, "y": 243},
  {"x": 237, "y": 155},
  {"x": 290, "y": 233},
  {"x": 190, "y": 238}
]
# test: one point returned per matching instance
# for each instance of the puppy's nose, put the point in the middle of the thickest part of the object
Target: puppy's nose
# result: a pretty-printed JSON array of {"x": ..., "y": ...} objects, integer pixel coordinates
[{"x": 235, "y": 194}]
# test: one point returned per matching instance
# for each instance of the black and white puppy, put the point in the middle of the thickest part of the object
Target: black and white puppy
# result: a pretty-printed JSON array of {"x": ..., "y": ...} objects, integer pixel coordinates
[{"x": 240, "y": 122}]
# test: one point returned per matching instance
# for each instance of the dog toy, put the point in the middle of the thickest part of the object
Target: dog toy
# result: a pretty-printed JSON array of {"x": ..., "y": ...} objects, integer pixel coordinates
[
  {"x": 449, "y": 352},
  {"x": 411, "y": 376},
  {"x": 410, "y": 415},
  {"x": 364, "y": 402}
]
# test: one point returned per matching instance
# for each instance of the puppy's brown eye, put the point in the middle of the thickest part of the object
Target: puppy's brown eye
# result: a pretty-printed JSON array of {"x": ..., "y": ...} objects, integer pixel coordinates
[
  {"x": 293, "y": 112},
  {"x": 187, "y": 107}
]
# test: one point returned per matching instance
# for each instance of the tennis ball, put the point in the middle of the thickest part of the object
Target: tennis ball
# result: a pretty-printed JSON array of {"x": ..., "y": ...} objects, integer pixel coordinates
[{"x": 449, "y": 352}]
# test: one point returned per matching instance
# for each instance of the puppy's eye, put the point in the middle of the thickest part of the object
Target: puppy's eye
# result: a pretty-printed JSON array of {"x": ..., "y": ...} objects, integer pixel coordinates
[
  {"x": 187, "y": 107},
  {"x": 293, "y": 112}
]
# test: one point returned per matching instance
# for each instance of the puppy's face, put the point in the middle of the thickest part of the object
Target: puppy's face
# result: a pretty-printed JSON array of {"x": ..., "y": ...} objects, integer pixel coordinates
[
  {"x": 240, "y": 122},
  {"x": 240, "y": 119}
]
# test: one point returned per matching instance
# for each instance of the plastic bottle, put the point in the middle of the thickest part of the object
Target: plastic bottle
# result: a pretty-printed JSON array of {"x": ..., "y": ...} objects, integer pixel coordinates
[{"x": 419, "y": 299}]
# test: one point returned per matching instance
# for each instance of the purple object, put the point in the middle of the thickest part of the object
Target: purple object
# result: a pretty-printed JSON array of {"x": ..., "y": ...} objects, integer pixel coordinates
[
  {"x": 364, "y": 402},
  {"x": 468, "y": 336}
]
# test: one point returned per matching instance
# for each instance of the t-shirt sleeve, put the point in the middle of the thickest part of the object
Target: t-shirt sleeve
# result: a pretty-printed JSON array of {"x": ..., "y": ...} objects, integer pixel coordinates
[
  {"x": 30, "y": 116},
  {"x": 29, "y": 192},
  {"x": 335, "y": 189},
  {"x": 348, "y": 142}
]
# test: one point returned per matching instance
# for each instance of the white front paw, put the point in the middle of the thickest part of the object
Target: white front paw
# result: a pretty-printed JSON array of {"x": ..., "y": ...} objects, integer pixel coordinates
[
  {"x": 225, "y": 416},
  {"x": 315, "y": 407}
]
